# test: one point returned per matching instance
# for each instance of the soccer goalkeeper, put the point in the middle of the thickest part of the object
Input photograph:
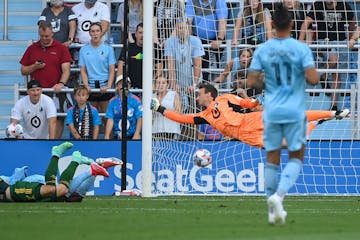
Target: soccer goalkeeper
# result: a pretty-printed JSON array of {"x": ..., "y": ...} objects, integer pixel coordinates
[
  {"x": 22, "y": 188},
  {"x": 223, "y": 113}
]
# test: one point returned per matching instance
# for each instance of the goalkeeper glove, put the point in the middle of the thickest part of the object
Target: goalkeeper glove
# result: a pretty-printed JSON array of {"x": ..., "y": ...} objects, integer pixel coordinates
[
  {"x": 259, "y": 98},
  {"x": 156, "y": 107},
  {"x": 154, "y": 104}
]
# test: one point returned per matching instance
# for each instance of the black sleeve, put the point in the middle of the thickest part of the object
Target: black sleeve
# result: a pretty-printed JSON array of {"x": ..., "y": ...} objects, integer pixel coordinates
[{"x": 200, "y": 120}]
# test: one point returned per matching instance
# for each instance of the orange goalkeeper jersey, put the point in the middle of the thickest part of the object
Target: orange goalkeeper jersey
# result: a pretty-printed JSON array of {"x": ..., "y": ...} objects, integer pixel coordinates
[{"x": 222, "y": 114}]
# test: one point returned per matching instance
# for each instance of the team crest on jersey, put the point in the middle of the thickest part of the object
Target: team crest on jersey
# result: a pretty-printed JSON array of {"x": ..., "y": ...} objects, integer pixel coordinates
[{"x": 215, "y": 112}]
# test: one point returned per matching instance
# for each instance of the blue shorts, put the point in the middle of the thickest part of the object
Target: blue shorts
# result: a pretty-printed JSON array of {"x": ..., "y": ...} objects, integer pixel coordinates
[{"x": 294, "y": 134}]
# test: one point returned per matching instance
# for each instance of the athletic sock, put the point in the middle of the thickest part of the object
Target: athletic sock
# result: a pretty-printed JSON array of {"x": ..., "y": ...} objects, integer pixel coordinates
[
  {"x": 289, "y": 176},
  {"x": 85, "y": 186},
  {"x": 76, "y": 182},
  {"x": 271, "y": 178},
  {"x": 51, "y": 171},
  {"x": 68, "y": 174}
]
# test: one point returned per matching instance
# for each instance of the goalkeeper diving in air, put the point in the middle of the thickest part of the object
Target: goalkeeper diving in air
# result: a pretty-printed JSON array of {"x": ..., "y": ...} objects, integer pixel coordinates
[
  {"x": 223, "y": 113},
  {"x": 37, "y": 188}
]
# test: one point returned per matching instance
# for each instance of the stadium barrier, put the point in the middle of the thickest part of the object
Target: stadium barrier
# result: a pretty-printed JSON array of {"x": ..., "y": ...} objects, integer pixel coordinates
[{"x": 336, "y": 176}]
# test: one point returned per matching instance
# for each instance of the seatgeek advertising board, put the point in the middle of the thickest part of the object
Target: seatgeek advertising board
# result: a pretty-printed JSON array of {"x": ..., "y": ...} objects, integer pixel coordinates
[{"x": 333, "y": 168}]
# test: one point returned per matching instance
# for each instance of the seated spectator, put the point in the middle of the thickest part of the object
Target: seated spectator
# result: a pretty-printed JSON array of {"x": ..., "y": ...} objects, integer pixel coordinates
[
  {"x": 97, "y": 68},
  {"x": 331, "y": 18},
  {"x": 37, "y": 112},
  {"x": 135, "y": 17},
  {"x": 255, "y": 22},
  {"x": 48, "y": 61},
  {"x": 163, "y": 127},
  {"x": 208, "y": 132},
  {"x": 83, "y": 119},
  {"x": 114, "y": 114},
  {"x": 88, "y": 12},
  {"x": 298, "y": 12},
  {"x": 62, "y": 19},
  {"x": 236, "y": 64}
]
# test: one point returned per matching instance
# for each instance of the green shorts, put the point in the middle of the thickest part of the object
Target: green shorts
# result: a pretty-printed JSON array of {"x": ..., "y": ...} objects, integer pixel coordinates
[{"x": 26, "y": 191}]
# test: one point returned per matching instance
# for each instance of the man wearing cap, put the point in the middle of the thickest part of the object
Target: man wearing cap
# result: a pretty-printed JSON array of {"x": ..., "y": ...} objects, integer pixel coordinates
[
  {"x": 37, "y": 112},
  {"x": 88, "y": 12},
  {"x": 114, "y": 114}
]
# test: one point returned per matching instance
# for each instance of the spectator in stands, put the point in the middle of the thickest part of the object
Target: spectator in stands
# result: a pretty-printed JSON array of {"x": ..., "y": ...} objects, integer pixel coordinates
[
  {"x": 331, "y": 18},
  {"x": 62, "y": 19},
  {"x": 97, "y": 68},
  {"x": 37, "y": 112},
  {"x": 135, "y": 16},
  {"x": 256, "y": 23},
  {"x": 134, "y": 60},
  {"x": 83, "y": 119},
  {"x": 88, "y": 12},
  {"x": 236, "y": 64},
  {"x": 48, "y": 61},
  {"x": 298, "y": 12},
  {"x": 114, "y": 114},
  {"x": 166, "y": 13},
  {"x": 208, "y": 20},
  {"x": 184, "y": 55},
  {"x": 352, "y": 78},
  {"x": 163, "y": 127},
  {"x": 241, "y": 89}
]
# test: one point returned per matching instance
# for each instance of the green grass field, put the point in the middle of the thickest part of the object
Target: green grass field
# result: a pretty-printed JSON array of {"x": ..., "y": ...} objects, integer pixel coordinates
[{"x": 181, "y": 218}]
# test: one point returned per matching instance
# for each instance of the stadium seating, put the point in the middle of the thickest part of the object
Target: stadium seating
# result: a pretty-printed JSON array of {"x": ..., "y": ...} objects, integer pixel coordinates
[{"x": 22, "y": 30}]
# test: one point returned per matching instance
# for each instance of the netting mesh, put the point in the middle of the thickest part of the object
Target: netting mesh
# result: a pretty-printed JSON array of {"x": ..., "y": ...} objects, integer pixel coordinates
[{"x": 213, "y": 43}]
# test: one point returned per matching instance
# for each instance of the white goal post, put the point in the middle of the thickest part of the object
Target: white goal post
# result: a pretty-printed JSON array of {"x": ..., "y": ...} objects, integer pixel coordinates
[{"x": 332, "y": 161}]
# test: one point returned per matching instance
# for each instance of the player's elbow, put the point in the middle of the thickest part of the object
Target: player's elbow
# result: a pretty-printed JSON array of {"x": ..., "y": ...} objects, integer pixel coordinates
[{"x": 312, "y": 76}]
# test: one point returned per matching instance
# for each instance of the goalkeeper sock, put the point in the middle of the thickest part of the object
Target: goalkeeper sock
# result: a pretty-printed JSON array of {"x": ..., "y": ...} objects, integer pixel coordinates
[
  {"x": 51, "y": 171},
  {"x": 271, "y": 178},
  {"x": 289, "y": 176},
  {"x": 68, "y": 174}
]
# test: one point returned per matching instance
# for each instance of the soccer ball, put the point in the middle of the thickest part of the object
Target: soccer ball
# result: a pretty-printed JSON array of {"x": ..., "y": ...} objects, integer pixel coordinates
[
  {"x": 14, "y": 130},
  {"x": 202, "y": 157}
]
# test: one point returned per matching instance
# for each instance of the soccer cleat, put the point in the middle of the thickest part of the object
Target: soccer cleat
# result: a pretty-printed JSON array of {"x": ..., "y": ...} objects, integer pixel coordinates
[
  {"x": 59, "y": 150},
  {"x": 98, "y": 170},
  {"x": 77, "y": 157},
  {"x": 275, "y": 203},
  {"x": 341, "y": 114},
  {"x": 108, "y": 162}
]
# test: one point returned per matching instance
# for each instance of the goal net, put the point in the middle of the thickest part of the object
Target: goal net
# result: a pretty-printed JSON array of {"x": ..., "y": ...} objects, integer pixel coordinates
[{"x": 194, "y": 47}]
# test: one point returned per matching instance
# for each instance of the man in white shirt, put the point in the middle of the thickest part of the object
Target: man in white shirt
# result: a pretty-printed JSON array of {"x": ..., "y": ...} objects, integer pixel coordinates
[
  {"x": 88, "y": 12},
  {"x": 37, "y": 112}
]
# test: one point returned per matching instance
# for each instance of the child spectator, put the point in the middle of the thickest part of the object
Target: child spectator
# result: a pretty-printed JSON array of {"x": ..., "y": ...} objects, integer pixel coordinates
[{"x": 83, "y": 119}]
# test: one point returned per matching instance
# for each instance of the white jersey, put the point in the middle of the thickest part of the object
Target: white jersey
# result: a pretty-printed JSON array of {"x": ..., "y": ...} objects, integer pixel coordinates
[
  {"x": 34, "y": 116},
  {"x": 85, "y": 17},
  {"x": 162, "y": 124}
]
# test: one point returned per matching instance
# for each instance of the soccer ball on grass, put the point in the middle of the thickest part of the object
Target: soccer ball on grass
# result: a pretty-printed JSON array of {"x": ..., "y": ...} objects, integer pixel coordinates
[
  {"x": 14, "y": 130},
  {"x": 202, "y": 157}
]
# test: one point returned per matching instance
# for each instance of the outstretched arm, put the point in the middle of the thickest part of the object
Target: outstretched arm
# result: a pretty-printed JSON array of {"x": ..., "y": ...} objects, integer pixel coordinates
[{"x": 175, "y": 116}]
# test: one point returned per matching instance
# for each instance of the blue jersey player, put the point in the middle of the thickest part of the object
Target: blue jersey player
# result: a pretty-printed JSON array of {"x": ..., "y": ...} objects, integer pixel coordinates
[{"x": 287, "y": 64}]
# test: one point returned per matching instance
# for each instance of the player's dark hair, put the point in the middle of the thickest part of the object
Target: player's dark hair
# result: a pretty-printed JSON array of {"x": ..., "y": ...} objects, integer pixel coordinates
[
  {"x": 281, "y": 17},
  {"x": 209, "y": 89}
]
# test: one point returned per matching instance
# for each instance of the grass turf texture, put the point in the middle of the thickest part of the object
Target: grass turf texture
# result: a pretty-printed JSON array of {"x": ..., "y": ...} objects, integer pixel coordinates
[{"x": 181, "y": 218}]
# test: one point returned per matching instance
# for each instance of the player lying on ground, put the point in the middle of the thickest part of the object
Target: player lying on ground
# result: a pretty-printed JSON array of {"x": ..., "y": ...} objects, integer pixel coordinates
[
  {"x": 22, "y": 188},
  {"x": 223, "y": 114}
]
